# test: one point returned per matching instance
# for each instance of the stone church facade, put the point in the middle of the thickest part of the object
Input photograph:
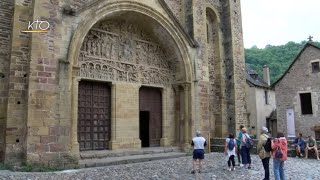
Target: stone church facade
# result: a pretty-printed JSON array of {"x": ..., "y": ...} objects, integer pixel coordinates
[{"x": 117, "y": 74}]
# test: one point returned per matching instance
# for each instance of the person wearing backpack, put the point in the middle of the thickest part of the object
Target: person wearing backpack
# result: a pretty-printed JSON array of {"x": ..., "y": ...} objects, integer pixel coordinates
[
  {"x": 264, "y": 151},
  {"x": 279, "y": 154},
  {"x": 246, "y": 144},
  {"x": 230, "y": 151}
]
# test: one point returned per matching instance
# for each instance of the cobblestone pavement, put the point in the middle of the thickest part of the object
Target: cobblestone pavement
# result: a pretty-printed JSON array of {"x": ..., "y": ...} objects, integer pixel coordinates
[{"x": 214, "y": 168}]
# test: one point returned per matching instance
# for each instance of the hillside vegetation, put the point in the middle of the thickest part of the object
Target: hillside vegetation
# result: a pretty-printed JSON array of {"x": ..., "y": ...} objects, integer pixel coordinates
[{"x": 278, "y": 58}]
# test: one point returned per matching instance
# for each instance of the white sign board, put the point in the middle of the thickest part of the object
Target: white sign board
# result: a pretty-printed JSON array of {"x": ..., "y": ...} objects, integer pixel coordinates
[{"x": 290, "y": 123}]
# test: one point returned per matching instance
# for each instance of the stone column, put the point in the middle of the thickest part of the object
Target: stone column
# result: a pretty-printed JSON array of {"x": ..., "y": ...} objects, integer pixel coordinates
[
  {"x": 164, "y": 141},
  {"x": 186, "y": 89},
  {"x": 113, "y": 144},
  {"x": 177, "y": 116},
  {"x": 74, "y": 110}
]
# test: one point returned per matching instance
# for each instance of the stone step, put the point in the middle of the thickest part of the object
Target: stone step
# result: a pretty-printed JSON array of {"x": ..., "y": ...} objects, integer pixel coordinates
[
  {"x": 126, "y": 152},
  {"x": 84, "y": 163}
]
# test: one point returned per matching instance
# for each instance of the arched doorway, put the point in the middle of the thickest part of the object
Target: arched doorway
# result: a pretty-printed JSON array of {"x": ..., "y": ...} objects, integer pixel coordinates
[{"x": 130, "y": 49}]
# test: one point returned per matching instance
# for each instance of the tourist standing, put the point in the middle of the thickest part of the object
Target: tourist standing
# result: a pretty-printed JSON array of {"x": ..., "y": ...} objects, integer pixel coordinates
[
  {"x": 230, "y": 151},
  {"x": 238, "y": 144},
  {"x": 263, "y": 153},
  {"x": 245, "y": 149},
  {"x": 198, "y": 144},
  {"x": 279, "y": 154}
]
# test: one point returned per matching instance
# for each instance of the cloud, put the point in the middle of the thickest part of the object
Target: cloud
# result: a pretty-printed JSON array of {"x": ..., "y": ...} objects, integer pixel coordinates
[{"x": 276, "y": 22}]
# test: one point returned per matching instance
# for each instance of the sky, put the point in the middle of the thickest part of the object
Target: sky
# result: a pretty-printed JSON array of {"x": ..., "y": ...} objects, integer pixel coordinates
[{"x": 277, "y": 22}]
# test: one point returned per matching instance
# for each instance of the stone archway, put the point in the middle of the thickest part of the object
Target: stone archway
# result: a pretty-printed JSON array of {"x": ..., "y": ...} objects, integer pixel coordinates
[{"x": 122, "y": 65}]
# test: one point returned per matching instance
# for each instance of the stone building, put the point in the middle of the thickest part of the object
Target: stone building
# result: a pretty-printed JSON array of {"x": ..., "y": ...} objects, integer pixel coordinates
[
  {"x": 260, "y": 101},
  {"x": 117, "y": 74},
  {"x": 298, "y": 94}
]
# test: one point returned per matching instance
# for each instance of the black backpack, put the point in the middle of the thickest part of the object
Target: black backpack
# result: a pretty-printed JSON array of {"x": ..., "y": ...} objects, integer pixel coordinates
[{"x": 267, "y": 145}]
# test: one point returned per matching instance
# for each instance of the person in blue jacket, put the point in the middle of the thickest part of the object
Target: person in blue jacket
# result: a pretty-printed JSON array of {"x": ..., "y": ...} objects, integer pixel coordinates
[{"x": 300, "y": 145}]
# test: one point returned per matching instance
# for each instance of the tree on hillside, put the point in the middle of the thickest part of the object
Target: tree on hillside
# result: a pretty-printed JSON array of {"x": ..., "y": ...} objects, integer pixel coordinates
[{"x": 278, "y": 58}]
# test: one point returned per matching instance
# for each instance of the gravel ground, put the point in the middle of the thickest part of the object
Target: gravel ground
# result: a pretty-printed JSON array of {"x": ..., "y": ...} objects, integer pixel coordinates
[{"x": 214, "y": 168}]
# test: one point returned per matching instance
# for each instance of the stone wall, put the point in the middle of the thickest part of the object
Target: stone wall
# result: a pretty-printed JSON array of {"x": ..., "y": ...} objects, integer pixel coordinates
[
  {"x": 176, "y": 7},
  {"x": 299, "y": 79},
  {"x": 6, "y": 15}
]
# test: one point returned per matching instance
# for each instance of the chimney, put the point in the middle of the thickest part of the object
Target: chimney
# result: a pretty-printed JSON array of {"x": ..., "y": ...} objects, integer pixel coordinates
[{"x": 266, "y": 75}]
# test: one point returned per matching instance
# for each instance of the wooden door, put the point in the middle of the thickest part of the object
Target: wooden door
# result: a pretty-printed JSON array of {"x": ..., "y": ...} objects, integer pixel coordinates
[
  {"x": 151, "y": 102},
  {"x": 94, "y": 115}
]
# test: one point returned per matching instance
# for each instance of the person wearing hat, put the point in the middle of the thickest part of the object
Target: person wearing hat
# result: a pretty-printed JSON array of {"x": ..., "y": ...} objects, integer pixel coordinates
[
  {"x": 198, "y": 144},
  {"x": 263, "y": 154}
]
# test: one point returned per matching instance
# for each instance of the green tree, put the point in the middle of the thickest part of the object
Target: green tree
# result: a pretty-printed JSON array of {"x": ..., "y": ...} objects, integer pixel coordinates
[{"x": 278, "y": 58}]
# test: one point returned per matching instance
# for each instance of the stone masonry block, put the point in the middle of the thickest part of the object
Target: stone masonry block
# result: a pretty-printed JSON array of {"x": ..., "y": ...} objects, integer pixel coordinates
[
  {"x": 48, "y": 139},
  {"x": 43, "y": 131},
  {"x": 55, "y": 147},
  {"x": 44, "y": 74},
  {"x": 41, "y": 148}
]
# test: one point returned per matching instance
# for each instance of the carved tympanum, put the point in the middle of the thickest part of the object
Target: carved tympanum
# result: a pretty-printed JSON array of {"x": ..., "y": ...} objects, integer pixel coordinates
[{"x": 121, "y": 51}]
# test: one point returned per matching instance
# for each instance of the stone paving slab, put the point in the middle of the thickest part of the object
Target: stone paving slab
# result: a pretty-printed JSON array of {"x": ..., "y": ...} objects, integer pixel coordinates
[{"x": 215, "y": 168}]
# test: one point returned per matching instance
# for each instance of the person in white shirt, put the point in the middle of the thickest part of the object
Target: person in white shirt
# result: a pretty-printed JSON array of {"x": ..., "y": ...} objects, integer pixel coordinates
[
  {"x": 198, "y": 144},
  {"x": 230, "y": 151}
]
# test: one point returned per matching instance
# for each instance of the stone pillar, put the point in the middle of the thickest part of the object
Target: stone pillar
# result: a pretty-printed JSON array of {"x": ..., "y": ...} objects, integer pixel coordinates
[
  {"x": 234, "y": 64},
  {"x": 164, "y": 141},
  {"x": 74, "y": 108},
  {"x": 17, "y": 81},
  {"x": 113, "y": 144},
  {"x": 125, "y": 116},
  {"x": 187, "y": 115},
  {"x": 5, "y": 40},
  {"x": 176, "y": 89}
]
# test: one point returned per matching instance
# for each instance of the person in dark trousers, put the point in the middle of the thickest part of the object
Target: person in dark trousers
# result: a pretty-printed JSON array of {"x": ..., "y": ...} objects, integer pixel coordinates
[
  {"x": 238, "y": 144},
  {"x": 263, "y": 154},
  {"x": 230, "y": 151},
  {"x": 198, "y": 144},
  {"x": 245, "y": 151}
]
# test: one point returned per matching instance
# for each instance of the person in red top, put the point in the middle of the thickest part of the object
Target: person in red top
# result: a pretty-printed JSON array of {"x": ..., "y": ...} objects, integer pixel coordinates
[{"x": 279, "y": 154}]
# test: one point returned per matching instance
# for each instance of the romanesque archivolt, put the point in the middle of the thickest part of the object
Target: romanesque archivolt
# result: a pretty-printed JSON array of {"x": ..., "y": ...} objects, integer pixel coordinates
[{"x": 121, "y": 51}]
